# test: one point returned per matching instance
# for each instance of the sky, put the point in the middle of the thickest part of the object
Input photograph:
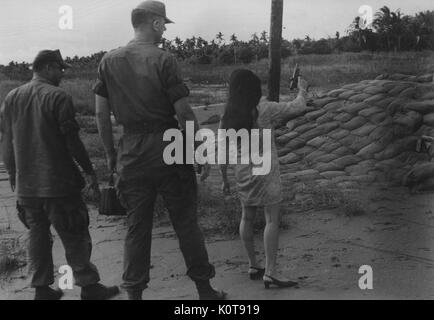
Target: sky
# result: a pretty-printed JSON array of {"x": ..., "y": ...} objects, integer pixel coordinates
[{"x": 28, "y": 26}]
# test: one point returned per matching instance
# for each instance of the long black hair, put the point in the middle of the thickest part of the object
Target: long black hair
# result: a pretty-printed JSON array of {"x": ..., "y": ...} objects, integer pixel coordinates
[{"x": 244, "y": 95}]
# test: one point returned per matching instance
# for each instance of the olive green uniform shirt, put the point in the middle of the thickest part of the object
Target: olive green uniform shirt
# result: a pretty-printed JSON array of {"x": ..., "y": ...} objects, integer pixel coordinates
[{"x": 141, "y": 83}]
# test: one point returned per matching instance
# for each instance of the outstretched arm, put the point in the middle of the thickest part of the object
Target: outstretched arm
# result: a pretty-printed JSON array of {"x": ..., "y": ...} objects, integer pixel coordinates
[{"x": 283, "y": 111}]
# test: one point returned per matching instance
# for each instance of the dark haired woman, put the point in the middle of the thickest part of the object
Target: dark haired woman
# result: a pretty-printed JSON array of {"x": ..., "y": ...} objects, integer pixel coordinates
[{"x": 246, "y": 110}]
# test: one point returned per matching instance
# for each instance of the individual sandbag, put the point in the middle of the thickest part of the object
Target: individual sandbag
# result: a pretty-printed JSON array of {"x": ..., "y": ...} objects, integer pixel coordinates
[
  {"x": 289, "y": 158},
  {"x": 400, "y": 131},
  {"x": 377, "y": 118},
  {"x": 283, "y": 139},
  {"x": 428, "y": 95},
  {"x": 375, "y": 98},
  {"x": 342, "y": 151},
  {"x": 360, "y": 97},
  {"x": 389, "y": 85},
  {"x": 354, "y": 123},
  {"x": 367, "y": 163},
  {"x": 346, "y": 95},
  {"x": 334, "y": 106},
  {"x": 305, "y": 127},
  {"x": 382, "y": 76},
  {"x": 291, "y": 168},
  {"x": 424, "y": 130},
  {"x": 348, "y": 140},
  {"x": 408, "y": 93},
  {"x": 384, "y": 103},
  {"x": 311, "y": 116},
  {"x": 397, "y": 106},
  {"x": 423, "y": 107},
  {"x": 338, "y": 134},
  {"x": 425, "y": 78},
  {"x": 412, "y": 120},
  {"x": 307, "y": 175},
  {"x": 319, "y": 103},
  {"x": 358, "y": 169},
  {"x": 398, "y": 76},
  {"x": 428, "y": 119},
  {"x": 295, "y": 143},
  {"x": 364, "y": 130},
  {"x": 397, "y": 88},
  {"x": 388, "y": 137},
  {"x": 397, "y": 147},
  {"x": 354, "y": 108},
  {"x": 387, "y": 164},
  {"x": 350, "y": 86},
  {"x": 281, "y": 131},
  {"x": 336, "y": 93},
  {"x": 313, "y": 156},
  {"x": 343, "y": 117},
  {"x": 295, "y": 123},
  {"x": 370, "y": 150},
  {"x": 346, "y": 161},
  {"x": 302, "y": 152},
  {"x": 326, "y": 158},
  {"x": 318, "y": 141},
  {"x": 327, "y": 117},
  {"x": 283, "y": 151},
  {"x": 330, "y": 147},
  {"x": 370, "y": 111},
  {"x": 379, "y": 132},
  {"x": 325, "y": 128},
  {"x": 361, "y": 86},
  {"x": 373, "y": 90},
  {"x": 332, "y": 174},
  {"x": 324, "y": 167},
  {"x": 315, "y": 132},
  {"x": 359, "y": 143}
]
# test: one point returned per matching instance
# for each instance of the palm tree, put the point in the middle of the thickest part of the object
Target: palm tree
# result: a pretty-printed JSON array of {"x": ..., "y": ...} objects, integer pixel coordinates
[
  {"x": 264, "y": 36},
  {"x": 219, "y": 37},
  {"x": 234, "y": 41},
  {"x": 392, "y": 25}
]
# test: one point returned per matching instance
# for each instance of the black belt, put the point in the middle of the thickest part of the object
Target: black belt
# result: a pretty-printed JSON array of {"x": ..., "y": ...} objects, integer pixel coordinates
[{"x": 142, "y": 128}]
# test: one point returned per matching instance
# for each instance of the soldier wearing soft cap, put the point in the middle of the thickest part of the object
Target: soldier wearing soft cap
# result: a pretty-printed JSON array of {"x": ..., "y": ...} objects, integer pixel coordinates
[{"x": 142, "y": 85}]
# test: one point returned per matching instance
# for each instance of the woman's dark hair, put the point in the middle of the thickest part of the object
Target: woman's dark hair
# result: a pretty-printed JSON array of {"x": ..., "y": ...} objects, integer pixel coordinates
[{"x": 244, "y": 95}]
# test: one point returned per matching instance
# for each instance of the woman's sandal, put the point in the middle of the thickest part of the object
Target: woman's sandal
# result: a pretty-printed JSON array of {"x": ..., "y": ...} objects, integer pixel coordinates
[
  {"x": 257, "y": 274},
  {"x": 268, "y": 281}
]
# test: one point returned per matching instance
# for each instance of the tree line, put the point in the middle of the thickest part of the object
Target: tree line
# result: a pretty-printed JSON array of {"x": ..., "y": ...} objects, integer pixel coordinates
[{"x": 390, "y": 31}]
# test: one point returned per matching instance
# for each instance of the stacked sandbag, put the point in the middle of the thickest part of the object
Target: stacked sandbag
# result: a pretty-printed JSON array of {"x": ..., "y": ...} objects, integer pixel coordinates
[{"x": 361, "y": 133}]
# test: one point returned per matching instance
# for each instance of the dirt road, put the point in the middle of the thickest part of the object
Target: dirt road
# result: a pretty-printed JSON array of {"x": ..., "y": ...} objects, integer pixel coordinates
[{"x": 323, "y": 250}]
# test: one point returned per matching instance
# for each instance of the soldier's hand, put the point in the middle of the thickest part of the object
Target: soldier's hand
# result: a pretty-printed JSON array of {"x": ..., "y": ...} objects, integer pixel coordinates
[
  {"x": 92, "y": 187},
  {"x": 302, "y": 84},
  {"x": 111, "y": 162}
]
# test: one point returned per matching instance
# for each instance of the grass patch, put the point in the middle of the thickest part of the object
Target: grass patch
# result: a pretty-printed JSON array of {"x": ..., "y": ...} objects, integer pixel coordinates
[
  {"x": 12, "y": 255},
  {"x": 330, "y": 197}
]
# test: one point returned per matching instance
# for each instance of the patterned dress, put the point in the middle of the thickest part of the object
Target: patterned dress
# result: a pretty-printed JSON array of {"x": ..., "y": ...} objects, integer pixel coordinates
[{"x": 265, "y": 190}]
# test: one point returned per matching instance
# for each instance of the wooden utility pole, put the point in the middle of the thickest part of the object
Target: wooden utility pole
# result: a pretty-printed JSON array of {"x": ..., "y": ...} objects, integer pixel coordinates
[{"x": 275, "y": 50}]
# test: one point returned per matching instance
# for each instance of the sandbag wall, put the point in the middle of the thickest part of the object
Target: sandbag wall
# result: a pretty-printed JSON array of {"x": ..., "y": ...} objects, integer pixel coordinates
[{"x": 361, "y": 133}]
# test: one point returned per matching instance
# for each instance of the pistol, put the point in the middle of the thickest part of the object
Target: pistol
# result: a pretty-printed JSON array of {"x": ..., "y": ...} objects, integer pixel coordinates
[{"x": 293, "y": 82}]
